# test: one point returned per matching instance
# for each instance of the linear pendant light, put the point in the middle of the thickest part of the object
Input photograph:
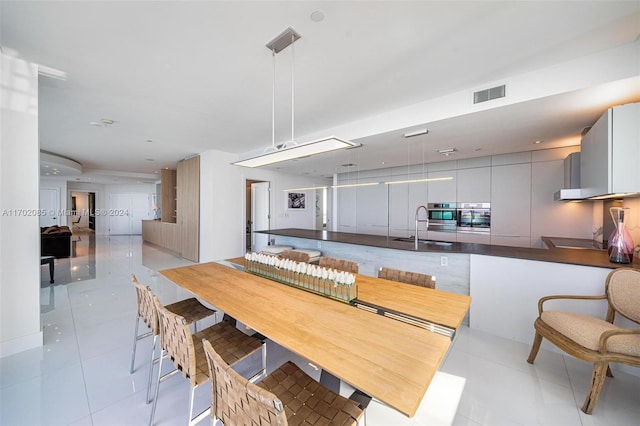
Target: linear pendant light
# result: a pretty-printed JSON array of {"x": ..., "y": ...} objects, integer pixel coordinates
[
  {"x": 297, "y": 151},
  {"x": 290, "y": 150}
]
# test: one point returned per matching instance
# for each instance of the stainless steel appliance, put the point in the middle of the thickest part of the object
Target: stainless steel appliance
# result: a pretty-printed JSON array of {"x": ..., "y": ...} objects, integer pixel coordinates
[
  {"x": 442, "y": 217},
  {"x": 474, "y": 217}
]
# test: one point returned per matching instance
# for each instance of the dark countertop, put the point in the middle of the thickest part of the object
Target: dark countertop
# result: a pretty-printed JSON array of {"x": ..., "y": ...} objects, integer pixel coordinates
[{"x": 574, "y": 256}]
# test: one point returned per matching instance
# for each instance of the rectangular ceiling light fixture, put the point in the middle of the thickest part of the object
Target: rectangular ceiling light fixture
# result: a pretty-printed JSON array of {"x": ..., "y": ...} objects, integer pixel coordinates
[
  {"x": 416, "y": 133},
  {"x": 354, "y": 185},
  {"x": 297, "y": 151},
  {"x": 394, "y": 182}
]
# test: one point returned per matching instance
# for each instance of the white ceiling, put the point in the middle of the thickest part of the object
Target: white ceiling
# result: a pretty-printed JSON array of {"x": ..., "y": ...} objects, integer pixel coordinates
[{"x": 183, "y": 77}]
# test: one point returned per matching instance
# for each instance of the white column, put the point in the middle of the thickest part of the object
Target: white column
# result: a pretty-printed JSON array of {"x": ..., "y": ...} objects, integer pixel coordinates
[{"x": 19, "y": 225}]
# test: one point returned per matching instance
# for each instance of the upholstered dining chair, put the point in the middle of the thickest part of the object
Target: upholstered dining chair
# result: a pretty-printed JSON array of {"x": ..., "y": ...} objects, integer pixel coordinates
[
  {"x": 423, "y": 280},
  {"x": 190, "y": 309},
  {"x": 187, "y": 353},
  {"x": 287, "y": 396},
  {"x": 593, "y": 339},
  {"x": 339, "y": 264}
]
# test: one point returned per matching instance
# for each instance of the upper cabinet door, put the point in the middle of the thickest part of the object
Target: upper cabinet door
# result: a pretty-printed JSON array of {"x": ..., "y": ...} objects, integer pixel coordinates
[
  {"x": 474, "y": 185},
  {"x": 442, "y": 191},
  {"x": 398, "y": 207},
  {"x": 372, "y": 215},
  {"x": 511, "y": 205},
  {"x": 346, "y": 209}
]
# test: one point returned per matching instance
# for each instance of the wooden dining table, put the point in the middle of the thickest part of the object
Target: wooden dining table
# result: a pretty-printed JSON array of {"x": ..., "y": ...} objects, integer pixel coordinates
[{"x": 390, "y": 360}]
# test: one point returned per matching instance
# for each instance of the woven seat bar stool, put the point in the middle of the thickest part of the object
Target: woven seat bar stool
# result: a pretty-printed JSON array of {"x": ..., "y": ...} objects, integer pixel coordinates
[
  {"x": 423, "y": 280},
  {"x": 287, "y": 396},
  {"x": 186, "y": 352},
  {"x": 593, "y": 339},
  {"x": 295, "y": 255},
  {"x": 190, "y": 309},
  {"x": 339, "y": 264}
]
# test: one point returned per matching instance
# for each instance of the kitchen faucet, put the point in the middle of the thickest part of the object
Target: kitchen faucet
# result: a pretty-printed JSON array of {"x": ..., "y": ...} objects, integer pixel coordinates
[{"x": 418, "y": 220}]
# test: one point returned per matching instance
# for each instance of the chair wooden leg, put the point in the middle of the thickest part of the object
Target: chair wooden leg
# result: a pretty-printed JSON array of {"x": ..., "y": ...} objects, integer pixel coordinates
[
  {"x": 597, "y": 380},
  {"x": 537, "y": 340}
]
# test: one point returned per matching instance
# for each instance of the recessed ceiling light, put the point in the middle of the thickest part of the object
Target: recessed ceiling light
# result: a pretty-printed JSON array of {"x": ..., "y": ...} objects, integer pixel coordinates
[
  {"x": 317, "y": 16},
  {"x": 149, "y": 140},
  {"x": 347, "y": 165},
  {"x": 538, "y": 142},
  {"x": 107, "y": 121},
  {"x": 149, "y": 159},
  {"x": 95, "y": 123}
]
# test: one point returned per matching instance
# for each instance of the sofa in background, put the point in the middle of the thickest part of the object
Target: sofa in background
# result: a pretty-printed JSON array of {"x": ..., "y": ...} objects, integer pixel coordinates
[{"x": 55, "y": 241}]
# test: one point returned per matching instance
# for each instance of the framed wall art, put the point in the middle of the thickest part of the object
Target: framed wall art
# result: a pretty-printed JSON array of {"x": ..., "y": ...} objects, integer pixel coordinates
[{"x": 297, "y": 200}]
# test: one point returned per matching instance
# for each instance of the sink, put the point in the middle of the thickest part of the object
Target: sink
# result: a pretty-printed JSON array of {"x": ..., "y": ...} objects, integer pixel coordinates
[{"x": 420, "y": 241}]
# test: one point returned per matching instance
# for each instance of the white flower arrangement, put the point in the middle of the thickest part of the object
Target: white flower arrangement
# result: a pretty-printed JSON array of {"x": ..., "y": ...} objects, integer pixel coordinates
[{"x": 336, "y": 284}]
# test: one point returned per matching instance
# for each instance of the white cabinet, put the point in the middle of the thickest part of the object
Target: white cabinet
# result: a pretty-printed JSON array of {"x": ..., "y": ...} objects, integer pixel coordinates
[
  {"x": 511, "y": 205},
  {"x": 475, "y": 238},
  {"x": 474, "y": 185},
  {"x": 610, "y": 153},
  {"x": 418, "y": 192},
  {"x": 442, "y": 191},
  {"x": 346, "y": 209},
  {"x": 398, "y": 208},
  {"x": 371, "y": 210},
  {"x": 438, "y": 235}
]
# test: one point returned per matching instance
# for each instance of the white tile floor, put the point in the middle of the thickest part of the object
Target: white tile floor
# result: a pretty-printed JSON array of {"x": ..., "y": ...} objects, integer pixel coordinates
[{"x": 81, "y": 374}]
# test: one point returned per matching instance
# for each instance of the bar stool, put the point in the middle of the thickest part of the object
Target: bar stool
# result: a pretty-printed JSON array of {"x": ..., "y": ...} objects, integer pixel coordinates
[
  {"x": 339, "y": 264},
  {"x": 286, "y": 396},
  {"x": 415, "y": 278},
  {"x": 187, "y": 352},
  {"x": 190, "y": 309}
]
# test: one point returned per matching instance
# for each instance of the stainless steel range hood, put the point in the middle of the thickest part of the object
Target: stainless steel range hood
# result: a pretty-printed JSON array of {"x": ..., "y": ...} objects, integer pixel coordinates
[{"x": 572, "y": 190}]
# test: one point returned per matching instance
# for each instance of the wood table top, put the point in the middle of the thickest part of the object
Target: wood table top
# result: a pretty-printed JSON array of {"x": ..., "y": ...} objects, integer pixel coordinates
[
  {"x": 440, "y": 307},
  {"x": 387, "y": 359}
]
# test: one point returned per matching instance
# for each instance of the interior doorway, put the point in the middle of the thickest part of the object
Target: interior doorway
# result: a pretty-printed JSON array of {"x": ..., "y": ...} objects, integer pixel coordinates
[
  {"x": 258, "y": 214},
  {"x": 83, "y": 206}
]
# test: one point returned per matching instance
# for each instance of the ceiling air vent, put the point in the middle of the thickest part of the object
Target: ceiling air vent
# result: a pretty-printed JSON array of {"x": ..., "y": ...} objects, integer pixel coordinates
[{"x": 489, "y": 94}]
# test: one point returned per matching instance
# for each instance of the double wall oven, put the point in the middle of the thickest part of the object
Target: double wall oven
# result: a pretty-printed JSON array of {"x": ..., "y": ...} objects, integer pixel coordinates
[
  {"x": 460, "y": 217},
  {"x": 442, "y": 217},
  {"x": 474, "y": 217}
]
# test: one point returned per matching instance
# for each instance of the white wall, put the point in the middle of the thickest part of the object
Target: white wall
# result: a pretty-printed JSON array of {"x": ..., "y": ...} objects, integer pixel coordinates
[
  {"x": 19, "y": 230},
  {"x": 222, "y": 204}
]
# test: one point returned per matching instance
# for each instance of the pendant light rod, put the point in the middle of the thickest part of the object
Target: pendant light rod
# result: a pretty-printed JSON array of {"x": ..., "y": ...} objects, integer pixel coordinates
[
  {"x": 293, "y": 61},
  {"x": 273, "y": 102}
]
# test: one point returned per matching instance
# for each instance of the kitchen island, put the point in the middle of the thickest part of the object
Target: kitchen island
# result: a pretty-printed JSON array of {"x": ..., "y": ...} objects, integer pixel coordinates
[
  {"x": 554, "y": 253},
  {"x": 505, "y": 283}
]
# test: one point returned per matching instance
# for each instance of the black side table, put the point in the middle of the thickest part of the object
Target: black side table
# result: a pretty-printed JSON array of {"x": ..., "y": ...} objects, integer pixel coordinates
[{"x": 49, "y": 260}]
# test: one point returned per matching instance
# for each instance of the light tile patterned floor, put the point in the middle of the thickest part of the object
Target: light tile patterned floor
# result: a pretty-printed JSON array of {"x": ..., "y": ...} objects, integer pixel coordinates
[{"x": 81, "y": 375}]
